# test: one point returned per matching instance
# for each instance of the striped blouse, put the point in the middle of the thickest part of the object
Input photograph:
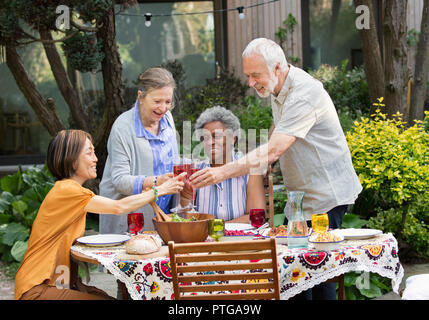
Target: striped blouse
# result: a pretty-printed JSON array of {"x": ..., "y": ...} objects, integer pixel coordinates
[{"x": 226, "y": 200}]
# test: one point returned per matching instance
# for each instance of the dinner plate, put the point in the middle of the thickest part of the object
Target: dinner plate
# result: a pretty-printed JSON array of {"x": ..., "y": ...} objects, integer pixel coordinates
[
  {"x": 279, "y": 239},
  {"x": 357, "y": 234},
  {"x": 100, "y": 240},
  {"x": 239, "y": 226}
]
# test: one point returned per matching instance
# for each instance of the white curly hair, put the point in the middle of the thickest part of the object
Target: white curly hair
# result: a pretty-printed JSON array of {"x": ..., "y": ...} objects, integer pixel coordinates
[
  {"x": 219, "y": 113},
  {"x": 269, "y": 50}
]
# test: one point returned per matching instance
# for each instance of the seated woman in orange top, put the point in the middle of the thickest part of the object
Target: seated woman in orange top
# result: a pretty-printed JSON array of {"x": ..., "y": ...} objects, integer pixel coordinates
[{"x": 45, "y": 271}]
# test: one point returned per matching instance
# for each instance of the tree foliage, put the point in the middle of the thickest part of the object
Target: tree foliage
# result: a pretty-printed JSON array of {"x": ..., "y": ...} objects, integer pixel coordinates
[{"x": 88, "y": 42}]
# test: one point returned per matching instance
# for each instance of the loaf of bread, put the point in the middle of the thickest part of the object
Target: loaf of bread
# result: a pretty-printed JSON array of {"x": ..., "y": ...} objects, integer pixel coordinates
[{"x": 142, "y": 244}]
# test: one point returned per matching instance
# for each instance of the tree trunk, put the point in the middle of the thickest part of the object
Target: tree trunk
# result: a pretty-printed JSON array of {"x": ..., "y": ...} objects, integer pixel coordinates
[
  {"x": 63, "y": 82},
  {"x": 418, "y": 92},
  {"x": 373, "y": 64},
  {"x": 44, "y": 110},
  {"x": 395, "y": 57},
  {"x": 114, "y": 103}
]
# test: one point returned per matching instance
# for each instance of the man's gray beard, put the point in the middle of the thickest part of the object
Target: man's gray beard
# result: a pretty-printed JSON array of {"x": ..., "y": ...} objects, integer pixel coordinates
[
  {"x": 265, "y": 95},
  {"x": 270, "y": 89}
]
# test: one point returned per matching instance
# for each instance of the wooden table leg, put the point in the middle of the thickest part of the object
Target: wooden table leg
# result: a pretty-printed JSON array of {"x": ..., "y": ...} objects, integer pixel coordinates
[
  {"x": 124, "y": 292},
  {"x": 341, "y": 289},
  {"x": 73, "y": 273}
]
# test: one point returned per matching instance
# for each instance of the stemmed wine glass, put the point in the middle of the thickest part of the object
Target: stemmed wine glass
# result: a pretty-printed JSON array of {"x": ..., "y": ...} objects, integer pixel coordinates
[
  {"x": 195, "y": 166},
  {"x": 181, "y": 165}
]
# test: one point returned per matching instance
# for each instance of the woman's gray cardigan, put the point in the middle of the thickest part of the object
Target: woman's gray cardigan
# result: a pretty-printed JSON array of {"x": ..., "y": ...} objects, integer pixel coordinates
[{"x": 128, "y": 157}]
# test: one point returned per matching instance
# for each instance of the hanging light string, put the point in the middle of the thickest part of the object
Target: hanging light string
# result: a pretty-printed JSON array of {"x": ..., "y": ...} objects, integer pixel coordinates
[{"x": 240, "y": 10}]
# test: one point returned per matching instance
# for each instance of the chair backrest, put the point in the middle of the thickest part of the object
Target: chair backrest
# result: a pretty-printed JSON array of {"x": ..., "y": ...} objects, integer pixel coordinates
[
  {"x": 268, "y": 188},
  {"x": 225, "y": 270}
]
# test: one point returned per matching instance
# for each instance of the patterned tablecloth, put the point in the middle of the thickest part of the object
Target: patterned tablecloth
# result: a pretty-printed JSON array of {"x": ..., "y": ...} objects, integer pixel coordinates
[{"x": 299, "y": 269}]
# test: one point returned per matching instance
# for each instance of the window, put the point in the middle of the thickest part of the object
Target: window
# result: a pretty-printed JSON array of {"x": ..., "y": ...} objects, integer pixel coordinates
[
  {"x": 190, "y": 39},
  {"x": 330, "y": 35},
  {"x": 176, "y": 35}
]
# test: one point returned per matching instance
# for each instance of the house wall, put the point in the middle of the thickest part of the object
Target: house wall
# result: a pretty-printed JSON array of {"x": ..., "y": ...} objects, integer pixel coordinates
[
  {"x": 262, "y": 21},
  {"x": 414, "y": 18}
]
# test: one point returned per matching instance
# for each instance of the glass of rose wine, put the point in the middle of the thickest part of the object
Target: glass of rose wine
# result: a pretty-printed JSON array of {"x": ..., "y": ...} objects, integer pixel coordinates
[
  {"x": 194, "y": 168},
  {"x": 181, "y": 165}
]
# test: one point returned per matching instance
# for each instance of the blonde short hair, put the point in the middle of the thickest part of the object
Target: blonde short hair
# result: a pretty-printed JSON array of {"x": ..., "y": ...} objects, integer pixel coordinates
[{"x": 155, "y": 78}]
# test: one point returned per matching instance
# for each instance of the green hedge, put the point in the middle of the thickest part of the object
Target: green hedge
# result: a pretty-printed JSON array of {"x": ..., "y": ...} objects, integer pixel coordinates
[{"x": 392, "y": 162}]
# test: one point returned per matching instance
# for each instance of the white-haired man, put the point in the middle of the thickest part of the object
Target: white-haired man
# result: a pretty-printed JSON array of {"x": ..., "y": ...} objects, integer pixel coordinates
[{"x": 306, "y": 136}]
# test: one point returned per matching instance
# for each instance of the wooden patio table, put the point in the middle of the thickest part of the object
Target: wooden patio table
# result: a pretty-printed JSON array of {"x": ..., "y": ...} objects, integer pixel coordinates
[{"x": 299, "y": 269}]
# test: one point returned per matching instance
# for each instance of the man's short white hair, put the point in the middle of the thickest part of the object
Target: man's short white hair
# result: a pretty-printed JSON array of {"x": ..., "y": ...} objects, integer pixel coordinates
[{"x": 270, "y": 51}]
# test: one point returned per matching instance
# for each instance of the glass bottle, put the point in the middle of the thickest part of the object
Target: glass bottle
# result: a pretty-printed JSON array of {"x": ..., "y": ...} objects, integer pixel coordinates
[{"x": 297, "y": 231}]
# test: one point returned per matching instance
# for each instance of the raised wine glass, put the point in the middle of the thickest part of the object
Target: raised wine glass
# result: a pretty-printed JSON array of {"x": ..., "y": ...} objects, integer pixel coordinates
[{"x": 181, "y": 165}]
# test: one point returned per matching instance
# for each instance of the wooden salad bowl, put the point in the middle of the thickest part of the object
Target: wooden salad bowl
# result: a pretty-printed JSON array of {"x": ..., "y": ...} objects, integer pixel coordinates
[{"x": 184, "y": 232}]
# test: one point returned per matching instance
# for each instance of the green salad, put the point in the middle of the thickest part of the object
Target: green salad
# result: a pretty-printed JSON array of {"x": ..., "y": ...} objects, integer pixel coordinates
[{"x": 176, "y": 218}]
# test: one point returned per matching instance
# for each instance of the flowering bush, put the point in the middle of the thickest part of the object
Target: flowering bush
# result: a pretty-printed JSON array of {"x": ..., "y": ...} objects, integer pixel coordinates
[{"x": 392, "y": 162}]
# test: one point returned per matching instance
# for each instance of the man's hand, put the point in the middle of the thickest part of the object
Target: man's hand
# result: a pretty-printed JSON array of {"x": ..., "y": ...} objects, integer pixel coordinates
[
  {"x": 207, "y": 177},
  {"x": 186, "y": 192}
]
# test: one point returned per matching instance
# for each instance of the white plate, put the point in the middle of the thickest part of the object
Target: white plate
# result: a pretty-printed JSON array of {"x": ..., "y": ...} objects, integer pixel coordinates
[
  {"x": 103, "y": 239},
  {"x": 239, "y": 226},
  {"x": 237, "y": 238},
  {"x": 357, "y": 234},
  {"x": 279, "y": 239},
  {"x": 327, "y": 246}
]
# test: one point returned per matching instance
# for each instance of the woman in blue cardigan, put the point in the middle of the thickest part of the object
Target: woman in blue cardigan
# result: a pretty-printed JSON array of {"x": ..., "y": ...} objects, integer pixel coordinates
[{"x": 141, "y": 148}]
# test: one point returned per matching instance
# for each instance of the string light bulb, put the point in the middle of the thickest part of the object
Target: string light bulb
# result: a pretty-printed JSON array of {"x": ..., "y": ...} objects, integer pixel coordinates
[
  {"x": 148, "y": 16},
  {"x": 241, "y": 15}
]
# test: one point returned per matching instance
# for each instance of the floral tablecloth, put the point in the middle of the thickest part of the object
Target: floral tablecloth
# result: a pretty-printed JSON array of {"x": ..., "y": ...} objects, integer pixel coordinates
[{"x": 299, "y": 269}]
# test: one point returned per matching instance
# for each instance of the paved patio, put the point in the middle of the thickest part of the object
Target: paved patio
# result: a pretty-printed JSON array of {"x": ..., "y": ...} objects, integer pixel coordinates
[{"x": 108, "y": 283}]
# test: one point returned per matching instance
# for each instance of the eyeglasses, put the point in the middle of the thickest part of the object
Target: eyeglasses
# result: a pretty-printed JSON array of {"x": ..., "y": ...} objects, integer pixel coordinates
[{"x": 217, "y": 136}]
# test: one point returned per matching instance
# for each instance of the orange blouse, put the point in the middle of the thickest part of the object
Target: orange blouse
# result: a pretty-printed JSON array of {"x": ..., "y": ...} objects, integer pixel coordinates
[{"x": 59, "y": 222}]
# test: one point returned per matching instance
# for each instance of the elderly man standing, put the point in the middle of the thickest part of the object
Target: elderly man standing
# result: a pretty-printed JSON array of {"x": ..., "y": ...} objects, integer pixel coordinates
[{"x": 306, "y": 136}]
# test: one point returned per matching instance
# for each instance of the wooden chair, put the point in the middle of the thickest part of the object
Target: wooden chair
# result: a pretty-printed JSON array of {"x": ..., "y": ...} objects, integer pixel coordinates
[
  {"x": 193, "y": 267},
  {"x": 269, "y": 194}
]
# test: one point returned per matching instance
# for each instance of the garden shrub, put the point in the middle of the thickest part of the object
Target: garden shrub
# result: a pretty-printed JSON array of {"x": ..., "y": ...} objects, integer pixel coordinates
[
  {"x": 21, "y": 195},
  {"x": 347, "y": 89},
  {"x": 392, "y": 162},
  {"x": 226, "y": 90},
  {"x": 253, "y": 113}
]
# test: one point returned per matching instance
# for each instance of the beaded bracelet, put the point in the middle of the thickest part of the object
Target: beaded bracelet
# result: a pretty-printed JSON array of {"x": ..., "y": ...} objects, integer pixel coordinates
[
  {"x": 155, "y": 190},
  {"x": 155, "y": 180}
]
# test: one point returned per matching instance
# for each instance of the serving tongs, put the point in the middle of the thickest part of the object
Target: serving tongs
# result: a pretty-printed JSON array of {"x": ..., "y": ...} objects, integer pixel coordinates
[{"x": 160, "y": 215}]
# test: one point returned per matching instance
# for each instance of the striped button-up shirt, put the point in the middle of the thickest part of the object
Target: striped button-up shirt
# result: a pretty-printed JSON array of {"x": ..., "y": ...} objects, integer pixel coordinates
[
  {"x": 164, "y": 151},
  {"x": 226, "y": 200}
]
